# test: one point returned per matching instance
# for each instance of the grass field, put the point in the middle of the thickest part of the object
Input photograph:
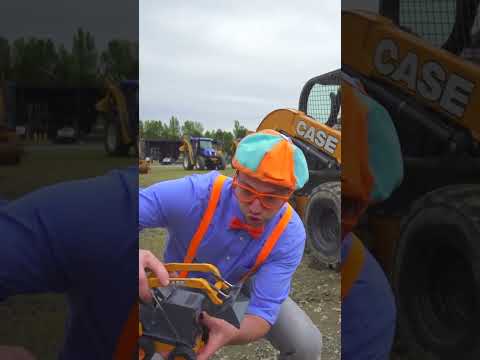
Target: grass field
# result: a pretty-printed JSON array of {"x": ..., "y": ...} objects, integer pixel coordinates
[
  {"x": 315, "y": 289},
  {"x": 41, "y": 166}
]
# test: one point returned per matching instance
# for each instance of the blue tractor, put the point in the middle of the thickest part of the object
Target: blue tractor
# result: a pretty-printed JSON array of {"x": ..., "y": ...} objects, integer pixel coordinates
[{"x": 201, "y": 153}]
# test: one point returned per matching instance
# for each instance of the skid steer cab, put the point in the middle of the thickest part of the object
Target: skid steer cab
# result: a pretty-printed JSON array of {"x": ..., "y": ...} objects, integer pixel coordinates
[
  {"x": 201, "y": 153},
  {"x": 170, "y": 324},
  {"x": 421, "y": 64},
  {"x": 118, "y": 111},
  {"x": 316, "y": 129}
]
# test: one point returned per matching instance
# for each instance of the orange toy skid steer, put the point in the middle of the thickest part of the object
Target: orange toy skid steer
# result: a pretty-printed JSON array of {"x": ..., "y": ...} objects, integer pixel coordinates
[{"x": 171, "y": 323}]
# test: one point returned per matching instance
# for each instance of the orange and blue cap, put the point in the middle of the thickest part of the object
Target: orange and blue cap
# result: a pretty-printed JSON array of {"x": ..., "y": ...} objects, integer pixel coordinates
[{"x": 270, "y": 156}]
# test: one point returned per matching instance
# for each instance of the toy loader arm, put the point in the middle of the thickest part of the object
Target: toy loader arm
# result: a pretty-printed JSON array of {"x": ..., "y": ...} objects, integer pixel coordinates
[
  {"x": 198, "y": 267},
  {"x": 217, "y": 293}
]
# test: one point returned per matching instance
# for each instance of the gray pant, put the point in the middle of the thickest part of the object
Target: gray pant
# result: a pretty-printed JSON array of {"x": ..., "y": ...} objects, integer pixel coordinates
[{"x": 294, "y": 334}]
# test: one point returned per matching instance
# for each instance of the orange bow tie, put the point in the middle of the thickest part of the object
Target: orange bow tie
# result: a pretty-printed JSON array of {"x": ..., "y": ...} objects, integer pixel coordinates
[{"x": 254, "y": 232}]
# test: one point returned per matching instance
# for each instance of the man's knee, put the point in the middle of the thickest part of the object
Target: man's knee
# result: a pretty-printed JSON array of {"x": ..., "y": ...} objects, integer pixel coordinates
[
  {"x": 295, "y": 335},
  {"x": 309, "y": 348}
]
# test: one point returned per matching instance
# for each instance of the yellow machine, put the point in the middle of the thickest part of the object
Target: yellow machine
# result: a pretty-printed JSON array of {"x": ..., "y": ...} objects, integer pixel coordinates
[
  {"x": 144, "y": 166},
  {"x": 10, "y": 149},
  {"x": 427, "y": 235},
  {"x": 201, "y": 153},
  {"x": 315, "y": 129},
  {"x": 119, "y": 112},
  {"x": 171, "y": 324}
]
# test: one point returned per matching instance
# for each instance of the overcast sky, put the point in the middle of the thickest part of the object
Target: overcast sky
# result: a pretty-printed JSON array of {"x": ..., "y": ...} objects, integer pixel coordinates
[
  {"x": 60, "y": 19},
  {"x": 220, "y": 61}
]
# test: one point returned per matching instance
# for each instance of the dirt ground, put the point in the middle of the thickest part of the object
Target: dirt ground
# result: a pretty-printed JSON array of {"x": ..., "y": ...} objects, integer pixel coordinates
[{"x": 315, "y": 288}]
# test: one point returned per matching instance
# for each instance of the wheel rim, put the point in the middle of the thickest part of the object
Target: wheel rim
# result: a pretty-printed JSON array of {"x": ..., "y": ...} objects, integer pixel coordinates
[{"x": 324, "y": 230}]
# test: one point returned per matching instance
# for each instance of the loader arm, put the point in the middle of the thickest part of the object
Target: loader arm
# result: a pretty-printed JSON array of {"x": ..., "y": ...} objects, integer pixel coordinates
[
  {"x": 388, "y": 57},
  {"x": 300, "y": 126},
  {"x": 187, "y": 148},
  {"x": 119, "y": 99}
]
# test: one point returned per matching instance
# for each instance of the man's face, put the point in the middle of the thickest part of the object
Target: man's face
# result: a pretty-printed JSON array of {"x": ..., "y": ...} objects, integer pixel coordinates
[{"x": 258, "y": 210}]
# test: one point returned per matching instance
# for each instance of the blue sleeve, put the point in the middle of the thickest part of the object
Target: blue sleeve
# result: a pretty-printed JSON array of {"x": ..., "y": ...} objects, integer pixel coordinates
[
  {"x": 271, "y": 284},
  {"x": 167, "y": 204},
  {"x": 67, "y": 236}
]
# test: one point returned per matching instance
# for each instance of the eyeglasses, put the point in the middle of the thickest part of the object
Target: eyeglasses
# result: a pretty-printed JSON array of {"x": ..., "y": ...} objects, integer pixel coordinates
[{"x": 247, "y": 195}]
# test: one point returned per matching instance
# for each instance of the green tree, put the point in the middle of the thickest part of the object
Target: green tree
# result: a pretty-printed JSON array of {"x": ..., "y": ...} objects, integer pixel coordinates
[
  {"x": 239, "y": 131},
  {"x": 4, "y": 58},
  {"x": 209, "y": 134},
  {"x": 84, "y": 58},
  {"x": 153, "y": 129},
  {"x": 173, "y": 130},
  {"x": 34, "y": 60},
  {"x": 120, "y": 60},
  {"x": 65, "y": 67},
  {"x": 140, "y": 129},
  {"x": 225, "y": 138},
  {"x": 192, "y": 128}
]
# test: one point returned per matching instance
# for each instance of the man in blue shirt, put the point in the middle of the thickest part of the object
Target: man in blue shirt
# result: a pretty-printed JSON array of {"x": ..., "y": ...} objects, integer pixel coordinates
[
  {"x": 250, "y": 207},
  {"x": 78, "y": 238}
]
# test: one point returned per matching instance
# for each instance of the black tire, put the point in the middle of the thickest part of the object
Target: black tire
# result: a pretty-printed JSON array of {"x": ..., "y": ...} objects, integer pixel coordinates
[
  {"x": 436, "y": 274},
  {"x": 187, "y": 165},
  {"x": 113, "y": 139},
  {"x": 147, "y": 346},
  {"x": 223, "y": 163},
  {"x": 183, "y": 352},
  {"x": 200, "y": 163},
  {"x": 322, "y": 223}
]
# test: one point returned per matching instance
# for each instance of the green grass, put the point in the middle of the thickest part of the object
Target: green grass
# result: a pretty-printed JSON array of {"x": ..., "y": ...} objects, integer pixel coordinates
[
  {"x": 161, "y": 173},
  {"x": 41, "y": 167}
]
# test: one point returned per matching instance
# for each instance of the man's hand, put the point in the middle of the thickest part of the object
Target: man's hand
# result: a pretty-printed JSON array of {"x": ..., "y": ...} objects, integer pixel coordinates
[
  {"x": 147, "y": 260},
  {"x": 220, "y": 334}
]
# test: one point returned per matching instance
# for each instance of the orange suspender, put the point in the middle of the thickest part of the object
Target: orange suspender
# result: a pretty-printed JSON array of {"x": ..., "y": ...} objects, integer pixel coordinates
[
  {"x": 271, "y": 241},
  {"x": 205, "y": 222},
  {"x": 207, "y": 218},
  {"x": 126, "y": 342},
  {"x": 352, "y": 266},
  {"x": 128, "y": 339}
]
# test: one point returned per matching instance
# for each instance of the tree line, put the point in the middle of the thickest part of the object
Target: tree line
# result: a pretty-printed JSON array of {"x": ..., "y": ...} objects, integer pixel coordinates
[
  {"x": 174, "y": 130},
  {"x": 41, "y": 61}
]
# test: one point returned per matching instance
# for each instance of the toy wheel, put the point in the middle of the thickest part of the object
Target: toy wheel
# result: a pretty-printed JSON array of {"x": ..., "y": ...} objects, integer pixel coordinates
[
  {"x": 183, "y": 353},
  {"x": 146, "y": 349}
]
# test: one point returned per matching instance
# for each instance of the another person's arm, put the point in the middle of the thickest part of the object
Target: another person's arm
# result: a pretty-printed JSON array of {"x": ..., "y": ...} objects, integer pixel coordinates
[{"x": 57, "y": 238}]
